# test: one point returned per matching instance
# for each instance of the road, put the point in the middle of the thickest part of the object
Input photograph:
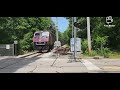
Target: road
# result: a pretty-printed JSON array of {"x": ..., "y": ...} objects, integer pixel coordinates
[{"x": 49, "y": 63}]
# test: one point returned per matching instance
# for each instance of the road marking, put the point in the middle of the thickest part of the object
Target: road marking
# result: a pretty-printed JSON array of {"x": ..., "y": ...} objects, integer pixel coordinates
[{"x": 89, "y": 65}]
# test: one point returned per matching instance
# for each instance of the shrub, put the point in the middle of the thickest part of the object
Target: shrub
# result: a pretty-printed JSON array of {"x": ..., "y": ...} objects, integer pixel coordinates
[
  {"x": 84, "y": 46},
  {"x": 104, "y": 52},
  {"x": 93, "y": 53}
]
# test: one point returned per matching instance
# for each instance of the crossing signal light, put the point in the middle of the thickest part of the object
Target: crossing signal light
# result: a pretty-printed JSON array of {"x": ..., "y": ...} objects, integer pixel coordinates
[{"x": 77, "y": 25}]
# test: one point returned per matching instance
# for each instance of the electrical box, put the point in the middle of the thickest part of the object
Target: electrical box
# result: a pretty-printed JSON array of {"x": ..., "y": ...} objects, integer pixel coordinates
[{"x": 78, "y": 44}]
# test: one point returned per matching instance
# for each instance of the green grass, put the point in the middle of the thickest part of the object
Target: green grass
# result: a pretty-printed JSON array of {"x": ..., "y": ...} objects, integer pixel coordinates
[
  {"x": 115, "y": 56},
  {"x": 112, "y": 56}
]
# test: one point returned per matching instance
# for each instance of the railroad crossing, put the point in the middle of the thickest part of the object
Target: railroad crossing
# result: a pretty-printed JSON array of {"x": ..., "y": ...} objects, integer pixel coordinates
[
  {"x": 59, "y": 60},
  {"x": 48, "y": 63}
]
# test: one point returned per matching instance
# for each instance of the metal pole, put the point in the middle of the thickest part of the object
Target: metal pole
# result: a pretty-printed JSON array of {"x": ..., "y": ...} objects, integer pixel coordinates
[
  {"x": 72, "y": 31},
  {"x": 88, "y": 34},
  {"x": 72, "y": 26},
  {"x": 74, "y": 39},
  {"x": 13, "y": 50}
]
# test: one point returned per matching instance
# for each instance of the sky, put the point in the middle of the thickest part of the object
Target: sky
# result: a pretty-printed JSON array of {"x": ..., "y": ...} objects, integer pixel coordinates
[{"x": 63, "y": 23}]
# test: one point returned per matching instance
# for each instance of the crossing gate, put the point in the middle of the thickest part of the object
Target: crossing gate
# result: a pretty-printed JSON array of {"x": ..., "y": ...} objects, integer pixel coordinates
[{"x": 6, "y": 49}]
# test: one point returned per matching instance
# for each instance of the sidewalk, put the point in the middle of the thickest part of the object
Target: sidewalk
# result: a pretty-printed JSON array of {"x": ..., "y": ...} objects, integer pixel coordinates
[
  {"x": 68, "y": 65},
  {"x": 61, "y": 64}
]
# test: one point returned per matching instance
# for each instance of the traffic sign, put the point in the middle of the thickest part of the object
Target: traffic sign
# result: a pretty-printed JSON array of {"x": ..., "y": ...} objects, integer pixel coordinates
[
  {"x": 7, "y": 46},
  {"x": 15, "y": 42}
]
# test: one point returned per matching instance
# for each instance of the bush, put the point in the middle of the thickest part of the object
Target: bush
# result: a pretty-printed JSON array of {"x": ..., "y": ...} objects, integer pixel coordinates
[
  {"x": 26, "y": 44},
  {"x": 118, "y": 47},
  {"x": 104, "y": 52},
  {"x": 93, "y": 53},
  {"x": 84, "y": 46},
  {"x": 86, "y": 52},
  {"x": 99, "y": 42}
]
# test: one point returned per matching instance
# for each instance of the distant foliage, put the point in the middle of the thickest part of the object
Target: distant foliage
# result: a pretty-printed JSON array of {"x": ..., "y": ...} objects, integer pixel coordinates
[
  {"x": 84, "y": 46},
  {"x": 102, "y": 37},
  {"x": 22, "y": 29}
]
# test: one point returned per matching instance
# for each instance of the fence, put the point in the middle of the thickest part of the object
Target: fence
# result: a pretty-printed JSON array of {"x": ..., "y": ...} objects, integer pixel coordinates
[{"x": 6, "y": 49}]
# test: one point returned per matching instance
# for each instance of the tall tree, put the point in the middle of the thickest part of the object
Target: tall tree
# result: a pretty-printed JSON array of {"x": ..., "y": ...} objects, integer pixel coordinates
[{"x": 22, "y": 29}]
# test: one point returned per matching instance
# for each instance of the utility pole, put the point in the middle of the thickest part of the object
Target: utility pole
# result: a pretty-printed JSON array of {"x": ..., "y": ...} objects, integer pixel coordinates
[
  {"x": 88, "y": 34},
  {"x": 74, "y": 39},
  {"x": 57, "y": 55},
  {"x": 56, "y": 29}
]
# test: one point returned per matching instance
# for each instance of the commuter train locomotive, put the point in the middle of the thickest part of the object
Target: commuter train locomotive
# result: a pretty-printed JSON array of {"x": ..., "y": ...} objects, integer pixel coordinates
[{"x": 43, "y": 40}]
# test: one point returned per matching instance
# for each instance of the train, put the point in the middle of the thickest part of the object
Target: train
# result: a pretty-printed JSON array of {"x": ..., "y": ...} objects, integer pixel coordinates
[{"x": 43, "y": 40}]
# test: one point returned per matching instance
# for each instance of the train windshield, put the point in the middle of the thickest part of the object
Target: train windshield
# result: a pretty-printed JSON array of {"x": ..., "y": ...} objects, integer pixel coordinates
[
  {"x": 45, "y": 34},
  {"x": 37, "y": 34}
]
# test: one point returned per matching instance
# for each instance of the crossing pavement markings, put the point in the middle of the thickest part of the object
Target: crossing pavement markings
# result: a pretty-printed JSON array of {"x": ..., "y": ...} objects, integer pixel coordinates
[{"x": 89, "y": 65}]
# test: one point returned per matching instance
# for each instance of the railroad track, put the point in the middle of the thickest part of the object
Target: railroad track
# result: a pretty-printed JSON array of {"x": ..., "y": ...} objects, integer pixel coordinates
[{"x": 16, "y": 60}]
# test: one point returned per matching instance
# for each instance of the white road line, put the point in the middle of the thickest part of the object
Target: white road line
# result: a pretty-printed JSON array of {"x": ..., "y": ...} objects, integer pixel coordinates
[{"x": 89, "y": 65}]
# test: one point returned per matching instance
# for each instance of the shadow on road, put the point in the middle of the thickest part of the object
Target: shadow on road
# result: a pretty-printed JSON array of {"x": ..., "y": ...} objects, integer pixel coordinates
[{"x": 10, "y": 65}]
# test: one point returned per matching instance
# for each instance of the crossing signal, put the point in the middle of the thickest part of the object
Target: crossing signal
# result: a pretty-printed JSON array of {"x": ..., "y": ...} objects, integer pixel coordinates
[{"x": 77, "y": 25}]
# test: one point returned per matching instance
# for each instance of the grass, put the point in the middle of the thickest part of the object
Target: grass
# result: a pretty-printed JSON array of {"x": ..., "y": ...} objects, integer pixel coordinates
[
  {"x": 112, "y": 56},
  {"x": 115, "y": 56}
]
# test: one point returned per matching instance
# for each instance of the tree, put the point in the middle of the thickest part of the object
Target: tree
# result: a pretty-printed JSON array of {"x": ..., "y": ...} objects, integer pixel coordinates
[
  {"x": 22, "y": 29},
  {"x": 99, "y": 32}
]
